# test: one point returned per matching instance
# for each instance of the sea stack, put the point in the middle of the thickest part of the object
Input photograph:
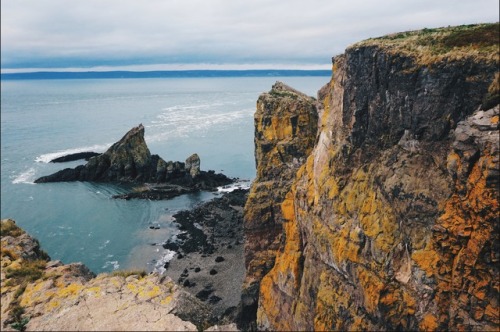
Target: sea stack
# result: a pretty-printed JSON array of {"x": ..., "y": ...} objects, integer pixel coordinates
[{"x": 130, "y": 161}]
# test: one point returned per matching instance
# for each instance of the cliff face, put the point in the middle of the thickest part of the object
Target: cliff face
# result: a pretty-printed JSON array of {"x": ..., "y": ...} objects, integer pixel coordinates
[
  {"x": 392, "y": 222},
  {"x": 285, "y": 130}
]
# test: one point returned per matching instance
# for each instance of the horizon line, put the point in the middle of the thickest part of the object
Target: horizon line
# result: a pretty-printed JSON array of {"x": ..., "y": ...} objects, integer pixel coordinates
[
  {"x": 173, "y": 67},
  {"x": 178, "y": 73}
]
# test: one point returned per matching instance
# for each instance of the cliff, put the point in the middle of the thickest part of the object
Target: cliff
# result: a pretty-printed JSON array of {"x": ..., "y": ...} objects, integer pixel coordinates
[
  {"x": 39, "y": 294},
  {"x": 392, "y": 221},
  {"x": 285, "y": 129}
]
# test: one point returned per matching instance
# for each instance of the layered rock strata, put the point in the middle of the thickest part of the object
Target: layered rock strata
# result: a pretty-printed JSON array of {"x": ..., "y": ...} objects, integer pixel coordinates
[
  {"x": 130, "y": 161},
  {"x": 39, "y": 294},
  {"x": 285, "y": 129},
  {"x": 392, "y": 222}
]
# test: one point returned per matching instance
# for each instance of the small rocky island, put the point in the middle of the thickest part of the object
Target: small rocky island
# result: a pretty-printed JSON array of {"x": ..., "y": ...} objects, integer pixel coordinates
[{"x": 130, "y": 161}]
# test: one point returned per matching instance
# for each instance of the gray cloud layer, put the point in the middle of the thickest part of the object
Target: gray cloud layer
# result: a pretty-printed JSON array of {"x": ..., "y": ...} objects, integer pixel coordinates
[{"x": 61, "y": 33}]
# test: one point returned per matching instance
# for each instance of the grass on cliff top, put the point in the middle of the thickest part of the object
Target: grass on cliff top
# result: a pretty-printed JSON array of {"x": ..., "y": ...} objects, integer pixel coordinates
[
  {"x": 475, "y": 41},
  {"x": 9, "y": 228}
]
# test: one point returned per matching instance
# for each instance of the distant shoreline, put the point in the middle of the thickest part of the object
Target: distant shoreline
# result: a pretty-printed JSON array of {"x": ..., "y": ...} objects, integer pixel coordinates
[{"x": 45, "y": 75}]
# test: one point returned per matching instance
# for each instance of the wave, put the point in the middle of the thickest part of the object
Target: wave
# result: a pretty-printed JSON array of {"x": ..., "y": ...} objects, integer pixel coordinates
[
  {"x": 233, "y": 186},
  {"x": 160, "y": 264},
  {"x": 104, "y": 245},
  {"x": 27, "y": 176},
  {"x": 47, "y": 157},
  {"x": 184, "y": 121},
  {"x": 114, "y": 264}
]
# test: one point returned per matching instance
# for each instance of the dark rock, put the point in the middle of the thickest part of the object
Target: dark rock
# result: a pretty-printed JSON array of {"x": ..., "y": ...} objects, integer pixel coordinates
[
  {"x": 171, "y": 246},
  {"x": 219, "y": 259},
  {"x": 215, "y": 224},
  {"x": 75, "y": 156},
  {"x": 157, "y": 192},
  {"x": 214, "y": 299},
  {"x": 130, "y": 161},
  {"x": 197, "y": 269},
  {"x": 213, "y": 272},
  {"x": 204, "y": 294}
]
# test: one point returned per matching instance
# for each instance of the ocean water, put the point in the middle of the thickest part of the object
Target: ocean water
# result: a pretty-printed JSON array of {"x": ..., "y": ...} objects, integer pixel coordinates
[{"x": 79, "y": 221}]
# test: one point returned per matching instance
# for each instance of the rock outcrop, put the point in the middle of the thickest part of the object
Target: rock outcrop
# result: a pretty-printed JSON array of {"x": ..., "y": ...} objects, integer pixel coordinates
[
  {"x": 130, "y": 161},
  {"x": 75, "y": 156},
  {"x": 285, "y": 129},
  {"x": 392, "y": 222},
  {"x": 42, "y": 295}
]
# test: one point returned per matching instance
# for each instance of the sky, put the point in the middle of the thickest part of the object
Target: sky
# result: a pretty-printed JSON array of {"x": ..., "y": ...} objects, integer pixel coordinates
[{"x": 81, "y": 35}]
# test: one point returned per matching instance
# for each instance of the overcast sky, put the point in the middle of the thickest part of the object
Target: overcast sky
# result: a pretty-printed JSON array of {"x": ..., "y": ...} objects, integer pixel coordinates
[{"x": 169, "y": 34}]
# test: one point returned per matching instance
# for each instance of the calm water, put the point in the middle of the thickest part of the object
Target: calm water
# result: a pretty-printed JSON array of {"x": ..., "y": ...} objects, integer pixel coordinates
[{"x": 79, "y": 222}]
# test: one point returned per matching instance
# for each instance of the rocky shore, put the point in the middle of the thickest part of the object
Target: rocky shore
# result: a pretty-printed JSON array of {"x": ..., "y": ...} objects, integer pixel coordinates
[
  {"x": 201, "y": 286},
  {"x": 209, "y": 262}
]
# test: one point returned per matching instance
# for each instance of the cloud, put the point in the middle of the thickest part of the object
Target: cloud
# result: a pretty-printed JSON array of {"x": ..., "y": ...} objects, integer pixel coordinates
[{"x": 61, "y": 33}]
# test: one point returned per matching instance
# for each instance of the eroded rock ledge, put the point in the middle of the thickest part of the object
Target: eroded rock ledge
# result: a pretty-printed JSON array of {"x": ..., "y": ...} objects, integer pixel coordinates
[
  {"x": 130, "y": 161},
  {"x": 43, "y": 295}
]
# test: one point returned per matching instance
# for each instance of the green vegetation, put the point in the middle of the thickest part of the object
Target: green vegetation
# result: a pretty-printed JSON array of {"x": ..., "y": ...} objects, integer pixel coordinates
[
  {"x": 29, "y": 271},
  {"x": 492, "y": 98},
  {"x": 282, "y": 94},
  {"x": 478, "y": 41},
  {"x": 21, "y": 325},
  {"x": 9, "y": 228}
]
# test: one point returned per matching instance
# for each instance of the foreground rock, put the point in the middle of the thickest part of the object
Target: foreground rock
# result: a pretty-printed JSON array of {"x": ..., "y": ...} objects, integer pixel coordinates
[
  {"x": 39, "y": 294},
  {"x": 392, "y": 222},
  {"x": 130, "y": 161}
]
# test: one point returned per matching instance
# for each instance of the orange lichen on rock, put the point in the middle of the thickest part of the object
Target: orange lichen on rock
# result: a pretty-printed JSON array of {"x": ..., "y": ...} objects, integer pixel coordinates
[
  {"x": 428, "y": 323},
  {"x": 465, "y": 240},
  {"x": 427, "y": 259},
  {"x": 283, "y": 280},
  {"x": 372, "y": 286},
  {"x": 392, "y": 218}
]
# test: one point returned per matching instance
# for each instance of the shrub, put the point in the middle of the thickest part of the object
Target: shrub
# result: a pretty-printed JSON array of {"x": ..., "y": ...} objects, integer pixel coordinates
[
  {"x": 29, "y": 271},
  {"x": 9, "y": 228}
]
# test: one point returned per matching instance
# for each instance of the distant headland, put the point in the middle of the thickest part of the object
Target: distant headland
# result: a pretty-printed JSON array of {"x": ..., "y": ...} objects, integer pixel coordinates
[{"x": 45, "y": 75}]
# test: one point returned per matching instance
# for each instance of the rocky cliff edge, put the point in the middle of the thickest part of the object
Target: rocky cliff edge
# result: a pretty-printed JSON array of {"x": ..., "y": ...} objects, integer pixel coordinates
[
  {"x": 392, "y": 221},
  {"x": 42, "y": 295}
]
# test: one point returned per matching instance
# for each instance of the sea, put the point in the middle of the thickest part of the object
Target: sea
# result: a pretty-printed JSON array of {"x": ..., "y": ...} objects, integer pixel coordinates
[{"x": 43, "y": 119}]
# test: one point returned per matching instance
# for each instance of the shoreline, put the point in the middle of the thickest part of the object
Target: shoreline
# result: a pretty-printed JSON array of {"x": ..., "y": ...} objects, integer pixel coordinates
[{"x": 208, "y": 253}]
